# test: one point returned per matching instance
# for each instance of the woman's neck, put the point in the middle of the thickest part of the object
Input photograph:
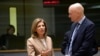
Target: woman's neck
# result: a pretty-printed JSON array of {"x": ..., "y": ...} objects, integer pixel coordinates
[{"x": 41, "y": 36}]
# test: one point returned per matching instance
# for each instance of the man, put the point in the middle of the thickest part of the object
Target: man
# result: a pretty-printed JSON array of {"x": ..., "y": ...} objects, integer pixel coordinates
[
  {"x": 5, "y": 38},
  {"x": 79, "y": 40}
]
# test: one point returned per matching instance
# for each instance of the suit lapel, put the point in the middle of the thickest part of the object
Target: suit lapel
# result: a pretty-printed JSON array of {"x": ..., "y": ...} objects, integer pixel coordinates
[
  {"x": 81, "y": 28},
  {"x": 72, "y": 29}
]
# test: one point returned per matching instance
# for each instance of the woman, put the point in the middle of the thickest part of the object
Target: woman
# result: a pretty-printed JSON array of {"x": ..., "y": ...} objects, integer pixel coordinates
[{"x": 39, "y": 44}]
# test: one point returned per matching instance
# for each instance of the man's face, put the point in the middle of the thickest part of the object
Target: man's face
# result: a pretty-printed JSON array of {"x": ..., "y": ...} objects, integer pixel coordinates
[
  {"x": 73, "y": 15},
  {"x": 11, "y": 31}
]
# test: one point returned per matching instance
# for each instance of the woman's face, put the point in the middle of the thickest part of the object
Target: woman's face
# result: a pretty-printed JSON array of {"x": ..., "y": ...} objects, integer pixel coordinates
[{"x": 40, "y": 29}]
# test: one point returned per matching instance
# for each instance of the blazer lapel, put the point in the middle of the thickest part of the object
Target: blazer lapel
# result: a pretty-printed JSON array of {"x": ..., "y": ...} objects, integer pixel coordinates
[{"x": 38, "y": 45}]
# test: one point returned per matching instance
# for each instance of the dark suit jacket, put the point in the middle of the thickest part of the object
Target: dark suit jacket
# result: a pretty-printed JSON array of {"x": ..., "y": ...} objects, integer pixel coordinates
[
  {"x": 83, "y": 41},
  {"x": 5, "y": 39}
]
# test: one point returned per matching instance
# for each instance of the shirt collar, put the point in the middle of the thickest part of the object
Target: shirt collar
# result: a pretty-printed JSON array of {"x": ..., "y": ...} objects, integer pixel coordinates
[{"x": 80, "y": 22}]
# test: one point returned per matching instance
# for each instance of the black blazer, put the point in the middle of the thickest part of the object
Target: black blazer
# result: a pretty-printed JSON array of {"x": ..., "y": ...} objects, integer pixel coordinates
[{"x": 83, "y": 41}]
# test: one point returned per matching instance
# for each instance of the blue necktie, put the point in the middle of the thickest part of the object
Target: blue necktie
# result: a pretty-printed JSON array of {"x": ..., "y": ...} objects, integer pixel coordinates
[{"x": 69, "y": 50}]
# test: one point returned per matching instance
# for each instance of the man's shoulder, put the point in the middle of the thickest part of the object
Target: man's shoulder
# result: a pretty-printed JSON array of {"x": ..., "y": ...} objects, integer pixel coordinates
[
  {"x": 3, "y": 35},
  {"x": 68, "y": 32},
  {"x": 88, "y": 21}
]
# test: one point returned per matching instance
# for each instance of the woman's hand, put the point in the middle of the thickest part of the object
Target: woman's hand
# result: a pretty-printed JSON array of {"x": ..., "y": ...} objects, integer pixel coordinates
[{"x": 45, "y": 53}]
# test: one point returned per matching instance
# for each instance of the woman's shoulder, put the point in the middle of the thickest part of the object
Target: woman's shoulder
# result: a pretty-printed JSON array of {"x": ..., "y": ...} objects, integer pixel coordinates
[
  {"x": 48, "y": 37},
  {"x": 30, "y": 38}
]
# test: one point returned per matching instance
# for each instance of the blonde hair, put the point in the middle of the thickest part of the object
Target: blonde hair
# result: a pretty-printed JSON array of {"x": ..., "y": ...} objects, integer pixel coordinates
[{"x": 34, "y": 34}]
